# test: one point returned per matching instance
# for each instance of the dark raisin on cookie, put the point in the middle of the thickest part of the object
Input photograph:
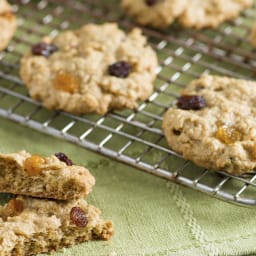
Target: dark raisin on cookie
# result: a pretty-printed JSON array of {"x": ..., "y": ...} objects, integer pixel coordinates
[
  {"x": 151, "y": 2},
  {"x": 62, "y": 157},
  {"x": 176, "y": 132},
  {"x": 44, "y": 49},
  {"x": 78, "y": 217},
  {"x": 120, "y": 69},
  {"x": 193, "y": 102}
]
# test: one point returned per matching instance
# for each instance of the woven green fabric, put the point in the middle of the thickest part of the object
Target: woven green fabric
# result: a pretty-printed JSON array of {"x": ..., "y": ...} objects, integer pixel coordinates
[{"x": 151, "y": 216}]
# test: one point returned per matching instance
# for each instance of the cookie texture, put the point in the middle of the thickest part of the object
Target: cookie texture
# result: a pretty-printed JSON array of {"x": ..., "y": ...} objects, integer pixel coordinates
[
  {"x": 7, "y": 24},
  {"x": 31, "y": 226},
  {"x": 220, "y": 134},
  {"x": 46, "y": 177},
  {"x": 156, "y": 13},
  {"x": 189, "y": 13},
  {"x": 93, "y": 69}
]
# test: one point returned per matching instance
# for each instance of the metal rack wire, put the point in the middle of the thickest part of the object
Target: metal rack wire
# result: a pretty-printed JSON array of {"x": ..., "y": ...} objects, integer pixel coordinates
[{"x": 133, "y": 137}]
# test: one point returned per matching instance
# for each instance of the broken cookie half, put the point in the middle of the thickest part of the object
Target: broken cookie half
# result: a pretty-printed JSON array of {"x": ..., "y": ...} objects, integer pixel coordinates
[
  {"x": 52, "y": 177},
  {"x": 29, "y": 226}
]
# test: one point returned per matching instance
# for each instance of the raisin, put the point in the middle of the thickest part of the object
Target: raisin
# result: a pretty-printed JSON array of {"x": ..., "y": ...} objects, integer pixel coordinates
[
  {"x": 66, "y": 82},
  {"x": 62, "y": 157},
  {"x": 194, "y": 102},
  {"x": 33, "y": 164},
  {"x": 44, "y": 49},
  {"x": 14, "y": 207},
  {"x": 151, "y": 2},
  {"x": 228, "y": 135},
  {"x": 120, "y": 69},
  {"x": 78, "y": 217},
  {"x": 7, "y": 15},
  {"x": 176, "y": 132}
]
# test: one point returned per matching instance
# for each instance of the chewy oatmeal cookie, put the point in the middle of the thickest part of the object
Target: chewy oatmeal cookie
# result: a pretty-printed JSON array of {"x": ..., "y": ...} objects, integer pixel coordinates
[
  {"x": 31, "y": 226},
  {"x": 211, "y": 13},
  {"x": 93, "y": 69},
  {"x": 47, "y": 177},
  {"x": 7, "y": 24},
  {"x": 214, "y": 124},
  {"x": 155, "y": 13},
  {"x": 190, "y": 13}
]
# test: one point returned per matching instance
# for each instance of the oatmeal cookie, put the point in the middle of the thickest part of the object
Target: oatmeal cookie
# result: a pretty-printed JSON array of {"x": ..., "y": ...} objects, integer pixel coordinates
[
  {"x": 31, "y": 226},
  {"x": 155, "y": 13},
  {"x": 48, "y": 177},
  {"x": 211, "y": 13},
  {"x": 189, "y": 13},
  {"x": 7, "y": 24},
  {"x": 214, "y": 124},
  {"x": 93, "y": 69}
]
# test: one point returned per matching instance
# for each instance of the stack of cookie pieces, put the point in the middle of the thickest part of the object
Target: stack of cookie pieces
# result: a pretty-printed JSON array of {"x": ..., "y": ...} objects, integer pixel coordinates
[{"x": 48, "y": 211}]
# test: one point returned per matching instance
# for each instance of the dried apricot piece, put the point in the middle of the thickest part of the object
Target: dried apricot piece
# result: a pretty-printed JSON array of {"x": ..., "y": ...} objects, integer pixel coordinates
[
  {"x": 66, "y": 82},
  {"x": 78, "y": 217},
  {"x": 228, "y": 134},
  {"x": 32, "y": 165}
]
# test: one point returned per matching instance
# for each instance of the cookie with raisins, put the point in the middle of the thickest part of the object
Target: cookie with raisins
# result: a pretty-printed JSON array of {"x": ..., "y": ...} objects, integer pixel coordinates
[
  {"x": 155, "y": 13},
  {"x": 214, "y": 124},
  {"x": 189, "y": 13},
  {"x": 54, "y": 177},
  {"x": 31, "y": 226},
  {"x": 94, "y": 69},
  {"x": 211, "y": 13},
  {"x": 7, "y": 24}
]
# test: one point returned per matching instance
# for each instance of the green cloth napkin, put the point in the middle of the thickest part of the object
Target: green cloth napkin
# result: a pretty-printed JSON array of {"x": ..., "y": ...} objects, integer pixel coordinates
[{"x": 151, "y": 216}]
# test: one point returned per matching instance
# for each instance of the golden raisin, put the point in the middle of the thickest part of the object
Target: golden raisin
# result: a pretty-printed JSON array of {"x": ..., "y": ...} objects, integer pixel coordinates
[
  {"x": 33, "y": 164},
  {"x": 78, "y": 217},
  {"x": 66, "y": 82},
  {"x": 7, "y": 15},
  {"x": 14, "y": 207},
  {"x": 228, "y": 135}
]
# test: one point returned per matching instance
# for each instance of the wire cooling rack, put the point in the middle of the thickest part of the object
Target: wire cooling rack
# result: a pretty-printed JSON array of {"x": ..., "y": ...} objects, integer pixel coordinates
[{"x": 133, "y": 137}]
